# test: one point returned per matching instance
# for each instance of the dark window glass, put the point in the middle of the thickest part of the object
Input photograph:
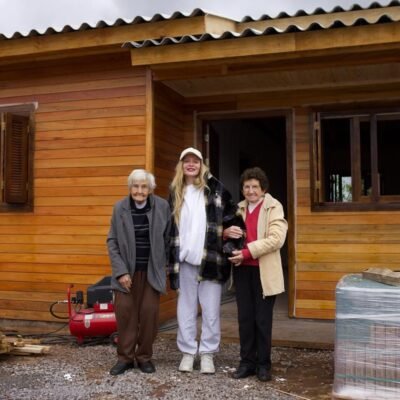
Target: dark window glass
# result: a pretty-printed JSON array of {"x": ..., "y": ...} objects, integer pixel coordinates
[
  {"x": 335, "y": 140},
  {"x": 388, "y": 135},
  {"x": 357, "y": 160}
]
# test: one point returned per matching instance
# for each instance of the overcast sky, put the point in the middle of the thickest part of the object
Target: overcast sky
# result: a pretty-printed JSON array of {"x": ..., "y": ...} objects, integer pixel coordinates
[{"x": 25, "y": 15}]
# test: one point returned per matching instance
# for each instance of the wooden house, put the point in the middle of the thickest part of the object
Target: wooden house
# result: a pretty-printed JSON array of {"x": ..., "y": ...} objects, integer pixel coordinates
[{"x": 313, "y": 98}]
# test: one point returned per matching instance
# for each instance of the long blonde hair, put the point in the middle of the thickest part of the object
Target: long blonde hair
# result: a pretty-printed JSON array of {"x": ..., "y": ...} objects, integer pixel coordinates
[{"x": 178, "y": 187}]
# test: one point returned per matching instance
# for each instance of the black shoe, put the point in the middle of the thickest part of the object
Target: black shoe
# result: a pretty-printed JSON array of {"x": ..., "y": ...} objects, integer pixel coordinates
[
  {"x": 263, "y": 374},
  {"x": 147, "y": 367},
  {"x": 120, "y": 367},
  {"x": 243, "y": 372}
]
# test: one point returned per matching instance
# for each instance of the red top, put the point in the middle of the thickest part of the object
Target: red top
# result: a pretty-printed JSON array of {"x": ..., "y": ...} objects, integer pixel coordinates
[{"x": 251, "y": 235}]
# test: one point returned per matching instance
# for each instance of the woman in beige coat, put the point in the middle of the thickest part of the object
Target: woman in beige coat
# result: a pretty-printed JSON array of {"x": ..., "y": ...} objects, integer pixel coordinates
[{"x": 257, "y": 272}]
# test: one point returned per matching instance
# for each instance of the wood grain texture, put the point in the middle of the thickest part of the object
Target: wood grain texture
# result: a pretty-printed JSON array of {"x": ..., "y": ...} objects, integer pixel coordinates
[
  {"x": 89, "y": 135},
  {"x": 168, "y": 135},
  {"x": 98, "y": 118},
  {"x": 328, "y": 245}
]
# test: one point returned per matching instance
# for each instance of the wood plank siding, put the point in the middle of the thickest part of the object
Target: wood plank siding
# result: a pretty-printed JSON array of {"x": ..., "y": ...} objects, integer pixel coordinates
[
  {"x": 168, "y": 135},
  {"x": 102, "y": 110},
  {"x": 333, "y": 244},
  {"x": 168, "y": 142},
  {"x": 90, "y": 132},
  {"x": 327, "y": 245}
]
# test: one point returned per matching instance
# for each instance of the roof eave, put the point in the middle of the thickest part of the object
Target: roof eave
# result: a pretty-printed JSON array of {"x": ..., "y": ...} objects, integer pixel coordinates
[
  {"x": 340, "y": 40},
  {"x": 109, "y": 38}
]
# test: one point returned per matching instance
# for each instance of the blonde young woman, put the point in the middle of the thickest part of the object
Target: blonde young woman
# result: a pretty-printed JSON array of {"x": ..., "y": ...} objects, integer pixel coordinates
[{"x": 201, "y": 209}]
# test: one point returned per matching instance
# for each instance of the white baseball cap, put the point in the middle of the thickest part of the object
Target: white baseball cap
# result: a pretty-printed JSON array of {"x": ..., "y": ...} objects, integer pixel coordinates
[{"x": 191, "y": 150}]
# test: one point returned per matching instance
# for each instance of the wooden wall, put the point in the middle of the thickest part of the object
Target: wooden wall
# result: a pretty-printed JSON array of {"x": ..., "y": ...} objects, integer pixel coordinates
[
  {"x": 89, "y": 135},
  {"x": 326, "y": 245},
  {"x": 168, "y": 144},
  {"x": 168, "y": 135},
  {"x": 91, "y": 132},
  {"x": 333, "y": 244}
]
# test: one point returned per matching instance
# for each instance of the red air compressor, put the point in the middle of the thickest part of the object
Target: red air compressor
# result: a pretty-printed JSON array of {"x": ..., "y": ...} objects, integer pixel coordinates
[{"x": 98, "y": 319}]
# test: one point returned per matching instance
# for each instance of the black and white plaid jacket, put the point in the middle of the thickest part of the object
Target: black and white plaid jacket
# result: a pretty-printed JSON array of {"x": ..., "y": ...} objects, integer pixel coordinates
[{"x": 220, "y": 213}]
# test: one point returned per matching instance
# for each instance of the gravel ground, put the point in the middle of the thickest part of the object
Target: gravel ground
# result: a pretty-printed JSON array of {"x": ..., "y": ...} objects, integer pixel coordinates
[{"x": 74, "y": 372}]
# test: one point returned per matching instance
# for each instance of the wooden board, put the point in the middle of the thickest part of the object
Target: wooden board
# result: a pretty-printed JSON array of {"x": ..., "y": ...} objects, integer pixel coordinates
[{"x": 89, "y": 134}]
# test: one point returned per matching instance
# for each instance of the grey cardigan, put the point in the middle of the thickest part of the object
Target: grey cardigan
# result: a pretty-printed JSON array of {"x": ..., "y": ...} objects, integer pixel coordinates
[{"x": 122, "y": 247}]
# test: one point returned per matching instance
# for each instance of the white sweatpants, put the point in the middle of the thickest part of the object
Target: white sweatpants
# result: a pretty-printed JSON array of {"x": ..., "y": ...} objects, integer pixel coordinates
[{"x": 191, "y": 293}]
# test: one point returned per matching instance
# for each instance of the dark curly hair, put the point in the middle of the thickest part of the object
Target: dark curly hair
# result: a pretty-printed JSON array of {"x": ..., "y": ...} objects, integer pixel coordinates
[{"x": 255, "y": 173}]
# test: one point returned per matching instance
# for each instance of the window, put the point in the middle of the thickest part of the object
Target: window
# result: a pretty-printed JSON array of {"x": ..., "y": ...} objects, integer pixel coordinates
[
  {"x": 16, "y": 156},
  {"x": 356, "y": 160}
]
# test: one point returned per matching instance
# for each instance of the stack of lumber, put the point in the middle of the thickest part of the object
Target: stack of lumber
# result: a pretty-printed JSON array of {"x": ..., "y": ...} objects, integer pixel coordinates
[
  {"x": 5, "y": 347},
  {"x": 384, "y": 275},
  {"x": 367, "y": 342},
  {"x": 20, "y": 346}
]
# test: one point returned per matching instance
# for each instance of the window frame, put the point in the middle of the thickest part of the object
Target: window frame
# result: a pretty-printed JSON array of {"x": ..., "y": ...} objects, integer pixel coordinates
[
  {"x": 25, "y": 110},
  {"x": 375, "y": 202}
]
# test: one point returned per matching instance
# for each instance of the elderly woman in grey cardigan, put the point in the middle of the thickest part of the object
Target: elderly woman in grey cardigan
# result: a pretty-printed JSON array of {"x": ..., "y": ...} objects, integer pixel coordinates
[{"x": 138, "y": 246}]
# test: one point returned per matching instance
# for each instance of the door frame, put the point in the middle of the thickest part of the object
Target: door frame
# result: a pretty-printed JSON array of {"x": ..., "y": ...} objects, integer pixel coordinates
[{"x": 200, "y": 124}]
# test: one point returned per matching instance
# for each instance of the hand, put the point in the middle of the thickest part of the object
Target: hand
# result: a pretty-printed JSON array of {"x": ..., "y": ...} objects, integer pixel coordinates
[
  {"x": 233, "y": 232},
  {"x": 125, "y": 281},
  {"x": 237, "y": 257}
]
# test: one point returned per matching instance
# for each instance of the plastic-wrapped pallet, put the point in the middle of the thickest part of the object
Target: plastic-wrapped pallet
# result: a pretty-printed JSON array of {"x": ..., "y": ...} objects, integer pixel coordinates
[{"x": 367, "y": 341}]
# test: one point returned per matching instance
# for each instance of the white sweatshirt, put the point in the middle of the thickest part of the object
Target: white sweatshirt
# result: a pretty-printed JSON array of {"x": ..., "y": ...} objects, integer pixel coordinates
[{"x": 192, "y": 226}]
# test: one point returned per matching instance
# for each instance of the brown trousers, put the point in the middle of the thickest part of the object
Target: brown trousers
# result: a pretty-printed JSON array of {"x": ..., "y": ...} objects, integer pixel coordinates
[{"x": 137, "y": 320}]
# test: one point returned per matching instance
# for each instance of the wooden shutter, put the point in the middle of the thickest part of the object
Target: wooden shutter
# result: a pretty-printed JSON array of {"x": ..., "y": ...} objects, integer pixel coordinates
[{"x": 16, "y": 159}]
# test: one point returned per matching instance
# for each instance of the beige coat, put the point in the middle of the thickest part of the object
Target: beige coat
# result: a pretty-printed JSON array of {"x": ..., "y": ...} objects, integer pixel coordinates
[{"x": 271, "y": 235}]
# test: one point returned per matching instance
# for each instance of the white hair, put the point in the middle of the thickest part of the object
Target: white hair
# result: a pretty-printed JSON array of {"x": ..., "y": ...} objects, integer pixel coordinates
[{"x": 141, "y": 175}]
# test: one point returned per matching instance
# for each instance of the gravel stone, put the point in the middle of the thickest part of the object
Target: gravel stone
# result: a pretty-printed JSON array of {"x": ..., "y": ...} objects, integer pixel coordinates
[{"x": 77, "y": 372}]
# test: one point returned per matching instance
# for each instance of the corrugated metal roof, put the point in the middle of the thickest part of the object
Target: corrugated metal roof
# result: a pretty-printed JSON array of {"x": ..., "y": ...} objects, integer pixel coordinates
[
  {"x": 104, "y": 24},
  {"x": 312, "y": 24},
  {"x": 320, "y": 10},
  {"x": 249, "y": 32},
  {"x": 195, "y": 13}
]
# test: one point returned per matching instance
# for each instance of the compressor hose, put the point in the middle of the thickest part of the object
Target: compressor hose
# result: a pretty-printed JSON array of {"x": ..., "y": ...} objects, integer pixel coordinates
[{"x": 53, "y": 313}]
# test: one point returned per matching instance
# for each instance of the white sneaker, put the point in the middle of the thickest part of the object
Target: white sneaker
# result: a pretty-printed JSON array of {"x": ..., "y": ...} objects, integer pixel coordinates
[
  {"x": 186, "y": 364},
  {"x": 207, "y": 364}
]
